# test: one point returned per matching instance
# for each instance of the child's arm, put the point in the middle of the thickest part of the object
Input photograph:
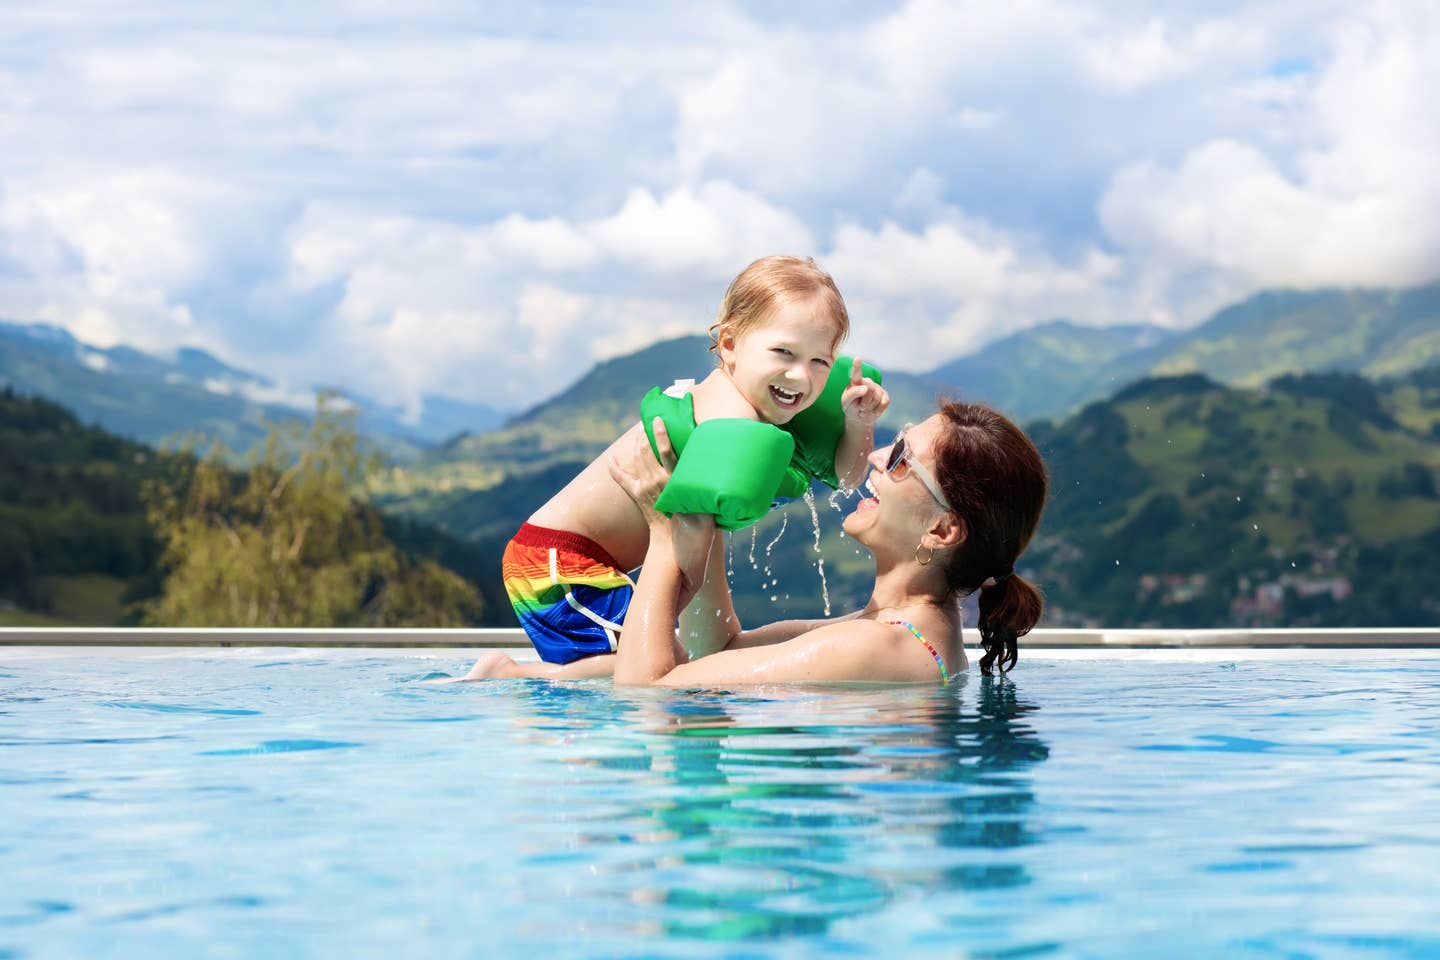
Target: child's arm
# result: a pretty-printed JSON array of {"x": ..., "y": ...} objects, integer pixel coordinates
[{"x": 863, "y": 401}]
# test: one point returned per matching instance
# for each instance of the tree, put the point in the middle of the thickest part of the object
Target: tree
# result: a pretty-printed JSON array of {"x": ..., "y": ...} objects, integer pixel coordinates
[{"x": 284, "y": 543}]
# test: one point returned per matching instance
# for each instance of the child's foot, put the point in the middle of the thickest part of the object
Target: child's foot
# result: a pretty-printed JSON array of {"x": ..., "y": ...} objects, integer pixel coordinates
[{"x": 491, "y": 665}]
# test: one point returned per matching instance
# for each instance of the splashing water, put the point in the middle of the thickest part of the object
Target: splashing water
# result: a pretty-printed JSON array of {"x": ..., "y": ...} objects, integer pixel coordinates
[
  {"x": 784, "y": 522},
  {"x": 754, "y": 535},
  {"x": 820, "y": 558},
  {"x": 834, "y": 501}
]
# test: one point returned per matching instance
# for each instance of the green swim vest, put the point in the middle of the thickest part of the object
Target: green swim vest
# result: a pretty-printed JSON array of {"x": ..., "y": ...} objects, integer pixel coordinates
[{"x": 735, "y": 468}]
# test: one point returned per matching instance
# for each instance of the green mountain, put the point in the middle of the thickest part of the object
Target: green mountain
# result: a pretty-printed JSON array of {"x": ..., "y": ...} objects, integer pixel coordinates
[
  {"x": 133, "y": 394},
  {"x": 1182, "y": 502},
  {"x": 1047, "y": 370},
  {"x": 1054, "y": 369},
  {"x": 1377, "y": 333}
]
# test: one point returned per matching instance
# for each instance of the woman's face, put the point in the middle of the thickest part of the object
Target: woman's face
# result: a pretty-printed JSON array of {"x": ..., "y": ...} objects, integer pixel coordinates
[{"x": 900, "y": 508}]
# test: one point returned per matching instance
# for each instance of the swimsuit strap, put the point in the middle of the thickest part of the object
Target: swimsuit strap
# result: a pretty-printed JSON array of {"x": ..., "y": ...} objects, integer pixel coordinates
[{"x": 944, "y": 674}]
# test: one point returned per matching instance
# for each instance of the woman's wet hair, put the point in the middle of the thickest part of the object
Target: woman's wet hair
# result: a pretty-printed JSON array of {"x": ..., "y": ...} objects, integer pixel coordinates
[
  {"x": 771, "y": 281},
  {"x": 995, "y": 478}
]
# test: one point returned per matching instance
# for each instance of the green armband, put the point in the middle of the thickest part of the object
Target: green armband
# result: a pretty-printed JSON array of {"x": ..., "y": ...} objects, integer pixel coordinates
[
  {"x": 730, "y": 468},
  {"x": 677, "y": 413}
]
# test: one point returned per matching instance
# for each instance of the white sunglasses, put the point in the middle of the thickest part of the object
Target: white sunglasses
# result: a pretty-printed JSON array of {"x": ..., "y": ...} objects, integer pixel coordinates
[{"x": 902, "y": 455}]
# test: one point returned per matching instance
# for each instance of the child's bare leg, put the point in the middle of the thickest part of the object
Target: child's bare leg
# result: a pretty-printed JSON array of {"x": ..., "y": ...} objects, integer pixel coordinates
[{"x": 496, "y": 664}]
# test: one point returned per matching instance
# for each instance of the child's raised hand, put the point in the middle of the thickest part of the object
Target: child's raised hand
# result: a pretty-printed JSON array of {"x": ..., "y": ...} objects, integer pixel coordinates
[{"x": 864, "y": 400}]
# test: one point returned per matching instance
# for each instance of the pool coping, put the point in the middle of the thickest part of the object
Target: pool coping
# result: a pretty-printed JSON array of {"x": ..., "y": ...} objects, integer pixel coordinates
[{"x": 484, "y": 638}]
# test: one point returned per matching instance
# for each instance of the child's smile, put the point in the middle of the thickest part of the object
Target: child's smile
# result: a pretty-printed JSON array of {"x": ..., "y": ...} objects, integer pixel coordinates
[{"x": 786, "y": 398}]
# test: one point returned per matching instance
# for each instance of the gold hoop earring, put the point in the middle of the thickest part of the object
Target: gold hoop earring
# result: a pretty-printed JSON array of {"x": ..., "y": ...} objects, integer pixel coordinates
[{"x": 927, "y": 560}]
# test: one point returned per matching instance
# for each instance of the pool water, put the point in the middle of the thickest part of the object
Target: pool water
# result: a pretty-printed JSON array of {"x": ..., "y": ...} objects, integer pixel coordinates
[{"x": 326, "y": 803}]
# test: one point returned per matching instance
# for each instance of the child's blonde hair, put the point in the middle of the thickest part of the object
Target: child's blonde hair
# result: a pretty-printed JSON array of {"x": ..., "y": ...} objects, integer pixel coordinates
[{"x": 770, "y": 281}]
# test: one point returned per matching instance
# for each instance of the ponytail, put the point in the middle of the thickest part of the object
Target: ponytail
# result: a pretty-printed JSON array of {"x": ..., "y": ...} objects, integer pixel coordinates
[
  {"x": 1008, "y": 609},
  {"x": 995, "y": 481}
]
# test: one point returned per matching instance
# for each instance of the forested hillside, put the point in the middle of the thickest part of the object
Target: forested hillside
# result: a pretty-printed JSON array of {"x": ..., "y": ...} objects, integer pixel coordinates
[
  {"x": 99, "y": 530},
  {"x": 1311, "y": 500},
  {"x": 73, "y": 535}
]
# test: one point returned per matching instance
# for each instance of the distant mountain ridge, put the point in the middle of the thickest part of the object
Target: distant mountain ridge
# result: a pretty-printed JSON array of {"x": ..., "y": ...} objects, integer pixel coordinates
[
  {"x": 1376, "y": 333},
  {"x": 156, "y": 400},
  {"x": 1054, "y": 369},
  {"x": 1046, "y": 370}
]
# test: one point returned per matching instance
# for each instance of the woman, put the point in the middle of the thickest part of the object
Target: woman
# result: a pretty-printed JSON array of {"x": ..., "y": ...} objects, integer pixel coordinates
[{"x": 954, "y": 501}]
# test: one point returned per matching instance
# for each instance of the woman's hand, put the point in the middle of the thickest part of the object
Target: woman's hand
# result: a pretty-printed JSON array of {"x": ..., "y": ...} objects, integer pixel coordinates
[
  {"x": 639, "y": 474},
  {"x": 642, "y": 477}
]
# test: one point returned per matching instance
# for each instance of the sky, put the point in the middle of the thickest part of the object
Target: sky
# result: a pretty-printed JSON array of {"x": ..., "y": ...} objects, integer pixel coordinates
[{"x": 482, "y": 200}]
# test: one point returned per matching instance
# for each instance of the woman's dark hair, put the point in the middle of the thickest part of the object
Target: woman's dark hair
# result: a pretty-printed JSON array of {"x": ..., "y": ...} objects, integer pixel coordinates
[{"x": 995, "y": 478}]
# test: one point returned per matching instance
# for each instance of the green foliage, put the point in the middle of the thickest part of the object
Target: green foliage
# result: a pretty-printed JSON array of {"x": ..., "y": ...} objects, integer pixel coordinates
[
  {"x": 285, "y": 544},
  {"x": 69, "y": 505}
]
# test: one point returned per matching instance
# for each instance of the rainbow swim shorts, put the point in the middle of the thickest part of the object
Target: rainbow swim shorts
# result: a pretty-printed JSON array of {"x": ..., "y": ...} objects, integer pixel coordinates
[{"x": 566, "y": 592}]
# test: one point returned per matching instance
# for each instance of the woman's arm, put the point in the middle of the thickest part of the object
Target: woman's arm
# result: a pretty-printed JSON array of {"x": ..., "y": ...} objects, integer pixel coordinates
[
  {"x": 854, "y": 651},
  {"x": 648, "y": 644}
]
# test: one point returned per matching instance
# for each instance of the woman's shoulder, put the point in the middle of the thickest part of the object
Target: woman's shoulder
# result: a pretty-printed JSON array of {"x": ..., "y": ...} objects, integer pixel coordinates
[{"x": 878, "y": 648}]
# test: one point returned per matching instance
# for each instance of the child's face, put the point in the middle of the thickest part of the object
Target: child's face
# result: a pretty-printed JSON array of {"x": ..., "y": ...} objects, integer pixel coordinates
[{"x": 780, "y": 365}]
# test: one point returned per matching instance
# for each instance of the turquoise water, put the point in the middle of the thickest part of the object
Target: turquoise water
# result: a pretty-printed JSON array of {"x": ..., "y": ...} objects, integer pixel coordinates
[{"x": 277, "y": 803}]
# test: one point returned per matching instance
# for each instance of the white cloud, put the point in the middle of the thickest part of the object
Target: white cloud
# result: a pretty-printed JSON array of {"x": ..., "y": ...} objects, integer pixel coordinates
[
  {"x": 1359, "y": 204},
  {"x": 716, "y": 227},
  {"x": 116, "y": 250},
  {"x": 957, "y": 284},
  {"x": 448, "y": 199}
]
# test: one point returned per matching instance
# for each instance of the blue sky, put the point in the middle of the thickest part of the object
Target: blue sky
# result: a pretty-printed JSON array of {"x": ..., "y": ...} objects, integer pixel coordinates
[{"x": 427, "y": 198}]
